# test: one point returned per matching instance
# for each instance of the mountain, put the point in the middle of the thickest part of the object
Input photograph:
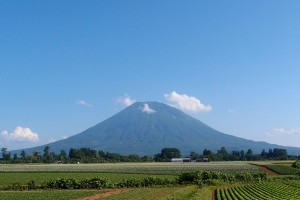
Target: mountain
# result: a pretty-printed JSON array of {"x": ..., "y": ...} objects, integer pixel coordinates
[{"x": 144, "y": 128}]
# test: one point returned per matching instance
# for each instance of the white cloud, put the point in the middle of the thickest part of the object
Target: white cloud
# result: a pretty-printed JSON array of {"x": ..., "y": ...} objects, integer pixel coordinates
[
  {"x": 186, "y": 103},
  {"x": 20, "y": 134},
  {"x": 84, "y": 103},
  {"x": 146, "y": 108},
  {"x": 126, "y": 100}
]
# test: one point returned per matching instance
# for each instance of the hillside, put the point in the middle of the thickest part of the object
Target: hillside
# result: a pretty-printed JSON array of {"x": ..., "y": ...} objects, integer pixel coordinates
[{"x": 144, "y": 128}]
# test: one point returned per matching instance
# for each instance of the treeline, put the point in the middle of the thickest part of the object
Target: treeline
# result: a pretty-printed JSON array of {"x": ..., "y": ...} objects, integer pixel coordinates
[
  {"x": 87, "y": 155},
  {"x": 82, "y": 155},
  {"x": 224, "y": 155}
]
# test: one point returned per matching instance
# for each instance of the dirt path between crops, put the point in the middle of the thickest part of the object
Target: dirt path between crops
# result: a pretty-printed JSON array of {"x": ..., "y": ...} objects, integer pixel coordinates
[
  {"x": 268, "y": 171},
  {"x": 105, "y": 194},
  {"x": 213, "y": 195}
]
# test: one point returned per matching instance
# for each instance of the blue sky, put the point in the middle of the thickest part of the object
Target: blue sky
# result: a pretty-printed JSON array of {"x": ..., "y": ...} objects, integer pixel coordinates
[{"x": 68, "y": 65}]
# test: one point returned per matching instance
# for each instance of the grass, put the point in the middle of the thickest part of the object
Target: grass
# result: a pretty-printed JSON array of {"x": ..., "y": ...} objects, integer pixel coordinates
[{"x": 46, "y": 195}]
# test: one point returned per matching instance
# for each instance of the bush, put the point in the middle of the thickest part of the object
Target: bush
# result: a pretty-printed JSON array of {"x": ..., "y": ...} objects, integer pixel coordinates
[
  {"x": 31, "y": 185},
  {"x": 213, "y": 177},
  {"x": 96, "y": 183},
  {"x": 188, "y": 177},
  {"x": 63, "y": 183},
  {"x": 129, "y": 183}
]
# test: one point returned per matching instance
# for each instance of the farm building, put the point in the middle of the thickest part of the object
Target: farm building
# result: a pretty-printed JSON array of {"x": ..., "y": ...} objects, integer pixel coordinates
[
  {"x": 202, "y": 160},
  {"x": 180, "y": 160}
]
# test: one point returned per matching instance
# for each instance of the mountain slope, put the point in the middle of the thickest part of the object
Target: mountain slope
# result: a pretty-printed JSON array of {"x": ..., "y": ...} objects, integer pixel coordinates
[{"x": 146, "y": 128}]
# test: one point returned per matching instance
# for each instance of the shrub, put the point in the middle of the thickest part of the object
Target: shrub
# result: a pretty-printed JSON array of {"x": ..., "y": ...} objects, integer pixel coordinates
[
  {"x": 129, "y": 183},
  {"x": 62, "y": 184},
  {"x": 31, "y": 185},
  {"x": 96, "y": 183},
  {"x": 188, "y": 177}
]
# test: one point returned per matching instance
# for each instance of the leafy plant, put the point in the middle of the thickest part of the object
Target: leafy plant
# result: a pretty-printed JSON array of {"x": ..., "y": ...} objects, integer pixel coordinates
[{"x": 296, "y": 164}]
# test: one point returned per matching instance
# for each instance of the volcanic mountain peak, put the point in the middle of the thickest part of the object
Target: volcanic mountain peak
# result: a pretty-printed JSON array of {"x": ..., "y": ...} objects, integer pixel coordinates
[{"x": 145, "y": 128}]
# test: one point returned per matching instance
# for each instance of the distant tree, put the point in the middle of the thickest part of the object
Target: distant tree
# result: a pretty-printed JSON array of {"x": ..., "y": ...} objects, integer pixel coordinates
[
  {"x": 249, "y": 154},
  {"x": 23, "y": 155},
  {"x": 263, "y": 153},
  {"x": 194, "y": 155},
  {"x": 147, "y": 159},
  {"x": 46, "y": 155},
  {"x": 63, "y": 156},
  {"x": 280, "y": 154},
  {"x": 167, "y": 154},
  {"x": 223, "y": 154},
  {"x": 5, "y": 154},
  {"x": 242, "y": 153},
  {"x": 207, "y": 152},
  {"x": 235, "y": 155},
  {"x": 36, "y": 157}
]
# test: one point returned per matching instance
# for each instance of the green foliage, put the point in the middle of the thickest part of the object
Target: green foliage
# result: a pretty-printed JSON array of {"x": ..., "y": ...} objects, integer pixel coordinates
[
  {"x": 31, "y": 185},
  {"x": 8, "y": 178},
  {"x": 62, "y": 184},
  {"x": 47, "y": 195},
  {"x": 265, "y": 190},
  {"x": 95, "y": 183},
  {"x": 283, "y": 170},
  {"x": 167, "y": 154},
  {"x": 129, "y": 183},
  {"x": 296, "y": 164},
  {"x": 212, "y": 177}
]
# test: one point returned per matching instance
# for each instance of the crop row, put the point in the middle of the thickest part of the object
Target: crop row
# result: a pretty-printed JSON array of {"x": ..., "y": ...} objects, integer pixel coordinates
[
  {"x": 266, "y": 190},
  {"x": 283, "y": 169}
]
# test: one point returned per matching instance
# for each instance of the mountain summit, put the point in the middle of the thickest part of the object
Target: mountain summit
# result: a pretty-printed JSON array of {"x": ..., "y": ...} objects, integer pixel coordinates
[{"x": 145, "y": 128}]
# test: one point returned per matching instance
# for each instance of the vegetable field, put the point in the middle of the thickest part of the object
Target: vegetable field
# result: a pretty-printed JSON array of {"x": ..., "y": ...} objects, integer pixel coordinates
[
  {"x": 134, "y": 168},
  {"x": 162, "y": 181},
  {"x": 266, "y": 190},
  {"x": 7, "y": 178},
  {"x": 283, "y": 169},
  {"x": 46, "y": 195}
]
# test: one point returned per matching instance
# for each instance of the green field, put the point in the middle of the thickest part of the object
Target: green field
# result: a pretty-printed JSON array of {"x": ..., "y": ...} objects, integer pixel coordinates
[
  {"x": 46, "y": 195},
  {"x": 7, "y": 178},
  {"x": 267, "y": 190},
  {"x": 167, "y": 193},
  {"x": 134, "y": 168},
  {"x": 19, "y": 174}
]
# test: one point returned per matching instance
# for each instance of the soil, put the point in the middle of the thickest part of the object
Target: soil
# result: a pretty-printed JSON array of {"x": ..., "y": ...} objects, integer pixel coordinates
[
  {"x": 213, "y": 195},
  {"x": 105, "y": 194},
  {"x": 268, "y": 171}
]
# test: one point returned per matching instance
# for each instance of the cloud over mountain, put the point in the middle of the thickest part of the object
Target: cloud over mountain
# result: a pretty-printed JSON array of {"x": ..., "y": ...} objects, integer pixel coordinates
[
  {"x": 186, "y": 103},
  {"x": 126, "y": 100}
]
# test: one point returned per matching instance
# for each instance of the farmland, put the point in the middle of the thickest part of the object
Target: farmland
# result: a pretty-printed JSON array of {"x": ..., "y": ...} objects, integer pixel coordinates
[
  {"x": 138, "y": 172},
  {"x": 268, "y": 190},
  {"x": 134, "y": 168}
]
